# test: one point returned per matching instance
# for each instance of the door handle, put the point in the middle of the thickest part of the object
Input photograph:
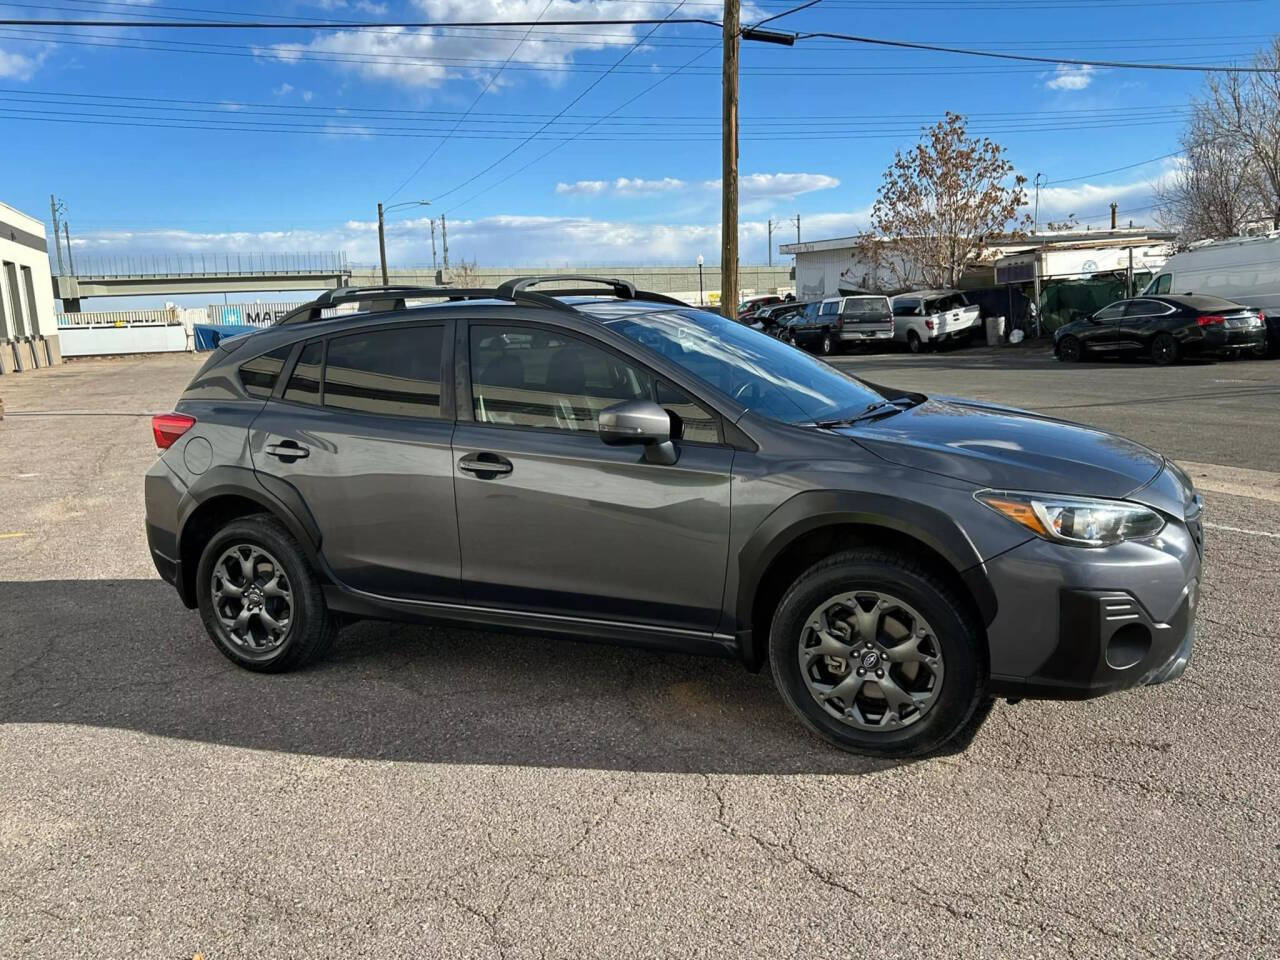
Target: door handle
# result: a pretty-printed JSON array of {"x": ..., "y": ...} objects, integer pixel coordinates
[
  {"x": 287, "y": 450},
  {"x": 485, "y": 466}
]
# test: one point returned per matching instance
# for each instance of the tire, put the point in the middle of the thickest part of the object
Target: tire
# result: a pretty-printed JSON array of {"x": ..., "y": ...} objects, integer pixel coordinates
[
  {"x": 1164, "y": 350},
  {"x": 915, "y": 598},
  {"x": 1069, "y": 350},
  {"x": 827, "y": 346},
  {"x": 271, "y": 550},
  {"x": 914, "y": 343}
]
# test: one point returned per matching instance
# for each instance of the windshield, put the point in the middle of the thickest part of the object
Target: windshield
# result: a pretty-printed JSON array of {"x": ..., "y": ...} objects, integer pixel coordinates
[{"x": 763, "y": 374}]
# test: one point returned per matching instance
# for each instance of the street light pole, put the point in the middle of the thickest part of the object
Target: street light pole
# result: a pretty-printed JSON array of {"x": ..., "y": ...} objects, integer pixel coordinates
[
  {"x": 701, "y": 300},
  {"x": 382, "y": 234}
]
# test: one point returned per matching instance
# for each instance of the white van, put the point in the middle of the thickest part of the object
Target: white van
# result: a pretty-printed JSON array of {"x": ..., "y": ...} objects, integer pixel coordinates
[{"x": 1244, "y": 270}]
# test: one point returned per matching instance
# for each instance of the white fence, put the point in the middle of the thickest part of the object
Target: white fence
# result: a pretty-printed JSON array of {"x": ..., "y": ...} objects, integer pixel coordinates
[
  {"x": 107, "y": 341},
  {"x": 119, "y": 318}
]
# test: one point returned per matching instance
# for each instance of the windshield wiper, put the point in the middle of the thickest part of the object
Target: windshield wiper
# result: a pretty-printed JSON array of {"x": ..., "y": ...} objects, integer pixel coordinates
[{"x": 875, "y": 409}]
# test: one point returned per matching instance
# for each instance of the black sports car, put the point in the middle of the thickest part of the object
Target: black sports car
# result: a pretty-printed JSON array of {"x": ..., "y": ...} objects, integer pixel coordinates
[{"x": 1163, "y": 328}]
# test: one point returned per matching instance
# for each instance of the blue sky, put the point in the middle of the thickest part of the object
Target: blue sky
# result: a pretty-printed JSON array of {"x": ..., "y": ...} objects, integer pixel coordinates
[{"x": 284, "y": 140}]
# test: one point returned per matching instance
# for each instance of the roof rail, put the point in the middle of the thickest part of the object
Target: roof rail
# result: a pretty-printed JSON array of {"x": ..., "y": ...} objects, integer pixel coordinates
[
  {"x": 622, "y": 289},
  {"x": 518, "y": 290},
  {"x": 391, "y": 297}
]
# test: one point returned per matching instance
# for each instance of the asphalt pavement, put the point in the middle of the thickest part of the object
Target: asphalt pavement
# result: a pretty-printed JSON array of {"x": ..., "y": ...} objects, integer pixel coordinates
[{"x": 442, "y": 792}]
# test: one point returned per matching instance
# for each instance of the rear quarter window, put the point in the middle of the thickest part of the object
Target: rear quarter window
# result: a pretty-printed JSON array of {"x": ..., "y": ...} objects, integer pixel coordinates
[{"x": 258, "y": 376}]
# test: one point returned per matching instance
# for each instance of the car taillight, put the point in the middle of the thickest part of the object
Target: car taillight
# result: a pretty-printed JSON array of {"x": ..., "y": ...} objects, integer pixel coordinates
[
  {"x": 1210, "y": 320},
  {"x": 168, "y": 427},
  {"x": 1262, "y": 316},
  {"x": 928, "y": 324}
]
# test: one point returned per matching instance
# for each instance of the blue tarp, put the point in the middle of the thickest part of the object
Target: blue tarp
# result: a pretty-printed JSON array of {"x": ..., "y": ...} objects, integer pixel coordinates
[{"x": 207, "y": 336}]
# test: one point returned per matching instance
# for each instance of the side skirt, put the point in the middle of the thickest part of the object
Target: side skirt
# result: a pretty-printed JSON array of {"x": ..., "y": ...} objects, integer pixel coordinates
[{"x": 356, "y": 603}]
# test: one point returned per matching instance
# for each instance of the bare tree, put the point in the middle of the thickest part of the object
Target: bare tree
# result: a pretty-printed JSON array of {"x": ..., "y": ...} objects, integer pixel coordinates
[
  {"x": 1213, "y": 193},
  {"x": 942, "y": 200},
  {"x": 1230, "y": 174}
]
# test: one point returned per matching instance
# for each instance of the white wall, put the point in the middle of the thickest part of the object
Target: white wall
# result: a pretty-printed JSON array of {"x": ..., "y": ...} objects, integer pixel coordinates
[
  {"x": 17, "y": 233},
  {"x": 103, "y": 341}
]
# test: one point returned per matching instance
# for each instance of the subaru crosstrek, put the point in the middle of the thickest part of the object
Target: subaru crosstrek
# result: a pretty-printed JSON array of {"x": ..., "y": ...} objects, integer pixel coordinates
[{"x": 606, "y": 464}]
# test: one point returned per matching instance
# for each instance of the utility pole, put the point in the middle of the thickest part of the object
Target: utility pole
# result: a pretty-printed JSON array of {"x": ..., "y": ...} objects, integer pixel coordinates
[
  {"x": 54, "y": 207},
  {"x": 444, "y": 240},
  {"x": 797, "y": 228},
  {"x": 1114, "y": 205},
  {"x": 1035, "y": 226},
  {"x": 382, "y": 245},
  {"x": 771, "y": 241},
  {"x": 434, "y": 266},
  {"x": 729, "y": 165},
  {"x": 66, "y": 228}
]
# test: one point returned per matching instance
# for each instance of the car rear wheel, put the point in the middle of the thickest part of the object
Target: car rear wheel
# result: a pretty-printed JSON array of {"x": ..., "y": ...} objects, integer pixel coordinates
[
  {"x": 259, "y": 598},
  {"x": 1164, "y": 349},
  {"x": 878, "y": 655},
  {"x": 1069, "y": 350}
]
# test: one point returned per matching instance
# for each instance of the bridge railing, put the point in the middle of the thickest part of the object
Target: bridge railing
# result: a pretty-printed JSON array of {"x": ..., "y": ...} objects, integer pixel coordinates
[{"x": 209, "y": 264}]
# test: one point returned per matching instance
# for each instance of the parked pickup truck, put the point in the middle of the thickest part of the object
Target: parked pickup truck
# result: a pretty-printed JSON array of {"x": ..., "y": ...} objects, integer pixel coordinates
[
  {"x": 827, "y": 326},
  {"x": 929, "y": 318}
]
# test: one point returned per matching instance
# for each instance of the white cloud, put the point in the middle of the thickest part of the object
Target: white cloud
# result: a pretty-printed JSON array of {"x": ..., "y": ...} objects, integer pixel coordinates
[
  {"x": 1069, "y": 77},
  {"x": 752, "y": 186},
  {"x": 1090, "y": 202},
  {"x": 20, "y": 66},
  {"x": 283, "y": 90},
  {"x": 414, "y": 58},
  {"x": 626, "y": 186}
]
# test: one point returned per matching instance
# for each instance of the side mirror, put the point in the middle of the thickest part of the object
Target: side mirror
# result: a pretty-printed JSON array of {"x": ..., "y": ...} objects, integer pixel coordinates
[{"x": 639, "y": 421}]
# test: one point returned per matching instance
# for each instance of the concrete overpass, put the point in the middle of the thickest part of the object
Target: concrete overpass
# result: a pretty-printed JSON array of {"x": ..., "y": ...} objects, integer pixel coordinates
[{"x": 179, "y": 274}]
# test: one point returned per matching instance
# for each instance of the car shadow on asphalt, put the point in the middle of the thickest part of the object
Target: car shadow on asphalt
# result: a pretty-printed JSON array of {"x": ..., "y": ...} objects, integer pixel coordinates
[{"x": 125, "y": 654}]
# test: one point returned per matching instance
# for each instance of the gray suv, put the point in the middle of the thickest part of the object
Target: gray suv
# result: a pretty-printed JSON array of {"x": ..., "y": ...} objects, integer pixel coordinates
[{"x": 608, "y": 464}]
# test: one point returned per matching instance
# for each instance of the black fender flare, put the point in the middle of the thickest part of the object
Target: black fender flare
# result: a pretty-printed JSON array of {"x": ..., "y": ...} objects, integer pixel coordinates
[
  {"x": 275, "y": 497},
  {"x": 815, "y": 509}
]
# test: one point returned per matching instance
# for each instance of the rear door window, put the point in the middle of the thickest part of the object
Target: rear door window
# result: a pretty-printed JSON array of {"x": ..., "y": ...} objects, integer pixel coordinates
[
  {"x": 392, "y": 372},
  {"x": 304, "y": 382},
  {"x": 830, "y": 308}
]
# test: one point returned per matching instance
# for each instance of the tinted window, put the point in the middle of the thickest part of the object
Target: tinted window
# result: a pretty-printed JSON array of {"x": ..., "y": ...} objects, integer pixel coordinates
[
  {"x": 304, "y": 382},
  {"x": 866, "y": 307},
  {"x": 692, "y": 420},
  {"x": 259, "y": 375},
  {"x": 906, "y": 308},
  {"x": 830, "y": 307},
  {"x": 530, "y": 377},
  {"x": 761, "y": 373},
  {"x": 1112, "y": 311},
  {"x": 394, "y": 372},
  {"x": 1145, "y": 308}
]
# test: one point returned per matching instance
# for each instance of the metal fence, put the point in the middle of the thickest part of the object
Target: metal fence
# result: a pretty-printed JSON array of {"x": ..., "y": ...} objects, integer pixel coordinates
[
  {"x": 119, "y": 318},
  {"x": 209, "y": 264}
]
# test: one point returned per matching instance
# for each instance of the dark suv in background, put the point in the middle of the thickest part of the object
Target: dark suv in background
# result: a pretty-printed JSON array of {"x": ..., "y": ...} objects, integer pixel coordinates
[{"x": 607, "y": 464}]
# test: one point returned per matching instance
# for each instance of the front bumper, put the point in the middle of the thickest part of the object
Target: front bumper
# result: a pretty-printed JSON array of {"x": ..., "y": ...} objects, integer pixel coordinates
[{"x": 1076, "y": 623}]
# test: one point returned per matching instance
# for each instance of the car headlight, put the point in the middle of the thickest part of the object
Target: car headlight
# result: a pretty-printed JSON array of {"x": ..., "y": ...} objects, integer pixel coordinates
[{"x": 1079, "y": 521}]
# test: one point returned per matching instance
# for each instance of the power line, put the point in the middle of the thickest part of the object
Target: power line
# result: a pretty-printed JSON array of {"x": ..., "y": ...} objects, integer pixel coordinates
[
  {"x": 1064, "y": 61},
  {"x": 349, "y": 24},
  {"x": 786, "y": 13},
  {"x": 591, "y": 86},
  {"x": 1103, "y": 173},
  {"x": 619, "y": 107},
  {"x": 479, "y": 97}
]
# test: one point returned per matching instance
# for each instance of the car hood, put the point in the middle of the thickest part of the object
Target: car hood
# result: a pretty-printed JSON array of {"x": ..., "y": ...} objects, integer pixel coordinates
[{"x": 1005, "y": 448}]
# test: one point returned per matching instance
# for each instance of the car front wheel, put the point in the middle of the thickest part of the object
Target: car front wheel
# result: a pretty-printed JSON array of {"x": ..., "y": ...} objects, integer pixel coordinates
[
  {"x": 878, "y": 655},
  {"x": 914, "y": 343},
  {"x": 828, "y": 345},
  {"x": 1069, "y": 350},
  {"x": 260, "y": 599}
]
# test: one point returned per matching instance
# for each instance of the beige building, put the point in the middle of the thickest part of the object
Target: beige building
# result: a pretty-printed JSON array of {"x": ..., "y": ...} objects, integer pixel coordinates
[{"x": 28, "y": 322}]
